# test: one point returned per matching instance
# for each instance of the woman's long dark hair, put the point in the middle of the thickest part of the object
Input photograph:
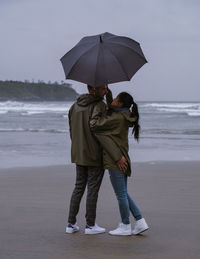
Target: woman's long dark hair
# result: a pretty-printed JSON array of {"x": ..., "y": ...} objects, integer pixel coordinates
[{"x": 128, "y": 101}]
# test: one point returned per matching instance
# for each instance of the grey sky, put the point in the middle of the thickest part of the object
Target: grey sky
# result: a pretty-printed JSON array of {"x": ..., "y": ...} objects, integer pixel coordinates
[{"x": 34, "y": 34}]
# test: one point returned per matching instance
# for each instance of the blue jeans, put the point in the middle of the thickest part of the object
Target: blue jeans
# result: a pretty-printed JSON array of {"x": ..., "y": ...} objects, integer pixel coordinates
[{"x": 126, "y": 203}]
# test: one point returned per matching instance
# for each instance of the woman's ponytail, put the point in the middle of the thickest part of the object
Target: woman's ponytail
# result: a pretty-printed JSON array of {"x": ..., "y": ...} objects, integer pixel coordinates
[
  {"x": 136, "y": 127},
  {"x": 127, "y": 101}
]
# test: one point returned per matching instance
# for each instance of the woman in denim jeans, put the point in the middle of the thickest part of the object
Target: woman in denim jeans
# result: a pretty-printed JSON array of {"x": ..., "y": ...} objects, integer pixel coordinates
[{"x": 114, "y": 126}]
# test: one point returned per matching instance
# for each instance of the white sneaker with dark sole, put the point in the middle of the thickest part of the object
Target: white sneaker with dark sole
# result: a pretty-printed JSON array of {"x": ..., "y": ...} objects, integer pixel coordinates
[
  {"x": 94, "y": 230},
  {"x": 121, "y": 230},
  {"x": 72, "y": 228},
  {"x": 140, "y": 227}
]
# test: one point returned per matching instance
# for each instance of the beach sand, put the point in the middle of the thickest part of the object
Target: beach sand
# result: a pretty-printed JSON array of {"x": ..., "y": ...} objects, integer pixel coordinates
[{"x": 34, "y": 206}]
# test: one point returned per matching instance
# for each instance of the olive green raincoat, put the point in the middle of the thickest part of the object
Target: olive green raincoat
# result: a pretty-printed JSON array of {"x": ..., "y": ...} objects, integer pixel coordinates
[
  {"x": 113, "y": 128},
  {"x": 85, "y": 148}
]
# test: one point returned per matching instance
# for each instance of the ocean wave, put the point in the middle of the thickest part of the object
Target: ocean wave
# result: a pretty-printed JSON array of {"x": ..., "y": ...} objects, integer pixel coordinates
[
  {"x": 3, "y": 112},
  {"x": 194, "y": 113},
  {"x": 191, "y": 132},
  {"x": 28, "y": 113},
  {"x": 33, "y": 130},
  {"x": 31, "y": 108},
  {"x": 170, "y": 138},
  {"x": 165, "y": 133},
  {"x": 170, "y": 132},
  {"x": 180, "y": 105},
  {"x": 191, "y": 109}
]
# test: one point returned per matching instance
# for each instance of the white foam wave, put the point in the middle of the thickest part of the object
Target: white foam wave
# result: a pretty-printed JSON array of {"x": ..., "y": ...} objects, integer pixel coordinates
[
  {"x": 3, "y": 112},
  {"x": 29, "y": 108},
  {"x": 191, "y": 109},
  {"x": 172, "y": 105},
  {"x": 32, "y": 130},
  {"x": 31, "y": 113},
  {"x": 194, "y": 113}
]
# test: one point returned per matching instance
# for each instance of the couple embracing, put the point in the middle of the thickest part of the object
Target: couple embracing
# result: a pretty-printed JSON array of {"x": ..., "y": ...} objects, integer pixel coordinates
[{"x": 99, "y": 136}]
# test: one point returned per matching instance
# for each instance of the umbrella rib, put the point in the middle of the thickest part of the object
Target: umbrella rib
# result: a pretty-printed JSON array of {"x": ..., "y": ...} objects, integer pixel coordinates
[
  {"x": 79, "y": 58},
  {"x": 97, "y": 63},
  {"x": 119, "y": 64},
  {"x": 123, "y": 37},
  {"x": 96, "y": 66},
  {"x": 125, "y": 46}
]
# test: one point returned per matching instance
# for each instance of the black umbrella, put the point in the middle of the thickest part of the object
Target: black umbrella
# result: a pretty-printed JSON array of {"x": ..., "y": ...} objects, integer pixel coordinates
[{"x": 103, "y": 59}]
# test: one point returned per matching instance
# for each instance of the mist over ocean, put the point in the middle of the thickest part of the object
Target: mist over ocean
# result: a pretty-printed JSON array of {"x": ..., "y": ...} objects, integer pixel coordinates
[{"x": 37, "y": 133}]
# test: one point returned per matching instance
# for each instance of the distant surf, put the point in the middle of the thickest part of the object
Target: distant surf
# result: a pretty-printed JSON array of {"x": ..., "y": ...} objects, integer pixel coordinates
[
  {"x": 191, "y": 109},
  {"x": 31, "y": 108}
]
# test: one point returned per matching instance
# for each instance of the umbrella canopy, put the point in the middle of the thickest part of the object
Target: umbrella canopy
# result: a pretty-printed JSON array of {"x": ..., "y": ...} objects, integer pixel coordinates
[{"x": 103, "y": 59}]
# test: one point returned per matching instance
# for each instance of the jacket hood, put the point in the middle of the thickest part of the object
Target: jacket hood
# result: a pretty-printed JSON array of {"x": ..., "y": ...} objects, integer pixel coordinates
[
  {"x": 127, "y": 115},
  {"x": 87, "y": 99}
]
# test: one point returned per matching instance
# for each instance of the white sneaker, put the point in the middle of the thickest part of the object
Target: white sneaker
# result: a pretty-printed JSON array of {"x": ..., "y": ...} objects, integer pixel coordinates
[
  {"x": 72, "y": 228},
  {"x": 122, "y": 230},
  {"x": 94, "y": 230},
  {"x": 140, "y": 226}
]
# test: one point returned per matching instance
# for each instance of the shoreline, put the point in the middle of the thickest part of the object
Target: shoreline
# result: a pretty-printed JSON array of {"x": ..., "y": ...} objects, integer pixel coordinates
[
  {"x": 34, "y": 207},
  {"x": 137, "y": 163}
]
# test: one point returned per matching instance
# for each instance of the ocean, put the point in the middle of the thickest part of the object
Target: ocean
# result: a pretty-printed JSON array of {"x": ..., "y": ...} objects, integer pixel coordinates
[{"x": 37, "y": 133}]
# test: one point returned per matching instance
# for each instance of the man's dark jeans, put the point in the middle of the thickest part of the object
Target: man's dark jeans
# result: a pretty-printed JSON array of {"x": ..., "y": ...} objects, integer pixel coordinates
[{"x": 92, "y": 177}]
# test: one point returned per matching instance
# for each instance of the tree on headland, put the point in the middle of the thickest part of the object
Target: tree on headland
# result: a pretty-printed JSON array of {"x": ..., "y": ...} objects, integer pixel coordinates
[{"x": 32, "y": 91}]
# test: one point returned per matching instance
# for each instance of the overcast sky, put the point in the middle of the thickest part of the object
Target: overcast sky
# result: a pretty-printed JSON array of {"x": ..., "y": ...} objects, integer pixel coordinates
[{"x": 35, "y": 34}]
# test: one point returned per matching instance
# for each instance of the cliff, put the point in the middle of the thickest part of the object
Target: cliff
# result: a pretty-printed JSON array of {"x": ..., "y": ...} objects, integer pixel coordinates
[{"x": 30, "y": 91}]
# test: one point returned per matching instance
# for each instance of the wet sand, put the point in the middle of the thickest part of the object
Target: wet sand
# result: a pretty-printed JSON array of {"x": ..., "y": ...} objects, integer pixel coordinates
[{"x": 34, "y": 204}]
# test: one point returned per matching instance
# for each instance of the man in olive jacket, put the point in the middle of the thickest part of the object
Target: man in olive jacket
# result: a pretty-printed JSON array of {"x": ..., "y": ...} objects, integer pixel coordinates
[{"x": 86, "y": 153}]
